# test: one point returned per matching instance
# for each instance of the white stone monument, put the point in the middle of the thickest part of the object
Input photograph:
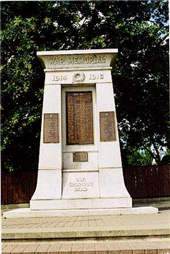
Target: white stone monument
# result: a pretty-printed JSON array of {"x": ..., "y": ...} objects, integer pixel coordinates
[
  {"x": 79, "y": 163},
  {"x": 80, "y": 168}
]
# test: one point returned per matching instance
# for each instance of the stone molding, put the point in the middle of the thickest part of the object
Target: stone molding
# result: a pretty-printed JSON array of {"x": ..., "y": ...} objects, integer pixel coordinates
[{"x": 79, "y": 59}]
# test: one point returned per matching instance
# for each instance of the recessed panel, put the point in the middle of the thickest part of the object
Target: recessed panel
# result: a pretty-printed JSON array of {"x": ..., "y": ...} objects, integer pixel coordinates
[
  {"x": 79, "y": 115},
  {"x": 80, "y": 185}
]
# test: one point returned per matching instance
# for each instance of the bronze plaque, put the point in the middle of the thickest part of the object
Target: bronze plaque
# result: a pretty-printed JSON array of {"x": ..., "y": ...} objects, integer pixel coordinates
[
  {"x": 80, "y": 157},
  {"x": 107, "y": 126},
  {"x": 51, "y": 128},
  {"x": 79, "y": 115}
]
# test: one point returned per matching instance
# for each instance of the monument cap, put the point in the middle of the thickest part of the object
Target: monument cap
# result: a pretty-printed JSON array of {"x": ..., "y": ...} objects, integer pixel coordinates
[{"x": 68, "y": 59}]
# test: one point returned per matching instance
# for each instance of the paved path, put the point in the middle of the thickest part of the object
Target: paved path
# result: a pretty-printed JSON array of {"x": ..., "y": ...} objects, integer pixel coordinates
[
  {"x": 159, "y": 246},
  {"x": 87, "y": 226},
  {"x": 98, "y": 234}
]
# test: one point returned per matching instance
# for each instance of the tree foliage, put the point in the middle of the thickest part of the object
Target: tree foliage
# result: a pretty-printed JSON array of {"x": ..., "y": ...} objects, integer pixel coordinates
[
  {"x": 139, "y": 29},
  {"x": 134, "y": 157}
]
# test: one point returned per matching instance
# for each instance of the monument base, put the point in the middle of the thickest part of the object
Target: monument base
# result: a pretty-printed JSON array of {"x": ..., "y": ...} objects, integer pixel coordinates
[
  {"x": 28, "y": 213},
  {"x": 98, "y": 203}
]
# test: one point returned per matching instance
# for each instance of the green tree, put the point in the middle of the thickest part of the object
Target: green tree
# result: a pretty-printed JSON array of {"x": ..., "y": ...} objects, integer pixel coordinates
[
  {"x": 138, "y": 29},
  {"x": 135, "y": 157}
]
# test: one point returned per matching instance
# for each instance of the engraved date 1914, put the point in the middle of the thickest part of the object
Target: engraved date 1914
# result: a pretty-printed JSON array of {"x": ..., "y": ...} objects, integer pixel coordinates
[{"x": 59, "y": 77}]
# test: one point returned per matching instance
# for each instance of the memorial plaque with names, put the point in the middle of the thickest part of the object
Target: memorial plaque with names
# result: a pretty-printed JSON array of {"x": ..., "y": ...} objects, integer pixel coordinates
[
  {"x": 51, "y": 128},
  {"x": 80, "y": 157},
  {"x": 107, "y": 126},
  {"x": 79, "y": 115}
]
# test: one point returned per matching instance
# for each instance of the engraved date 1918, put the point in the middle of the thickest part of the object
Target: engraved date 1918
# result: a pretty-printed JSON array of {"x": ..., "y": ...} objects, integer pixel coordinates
[{"x": 96, "y": 76}]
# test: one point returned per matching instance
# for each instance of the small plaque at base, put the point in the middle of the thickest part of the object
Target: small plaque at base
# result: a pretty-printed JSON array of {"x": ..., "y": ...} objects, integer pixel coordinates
[{"x": 80, "y": 157}]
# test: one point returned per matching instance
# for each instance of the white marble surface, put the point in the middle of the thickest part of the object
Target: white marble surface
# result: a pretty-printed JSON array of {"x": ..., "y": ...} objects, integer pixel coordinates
[
  {"x": 75, "y": 52},
  {"x": 88, "y": 203},
  {"x": 109, "y": 152},
  {"x": 83, "y": 77},
  {"x": 80, "y": 185},
  {"x": 26, "y": 212},
  {"x": 92, "y": 162},
  {"x": 77, "y": 58},
  {"x": 48, "y": 185},
  {"x": 52, "y": 99},
  {"x": 112, "y": 183},
  {"x": 105, "y": 97},
  {"x": 50, "y": 154}
]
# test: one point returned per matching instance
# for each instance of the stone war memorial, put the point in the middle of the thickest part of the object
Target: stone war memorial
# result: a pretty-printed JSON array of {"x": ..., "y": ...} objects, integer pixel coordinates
[{"x": 80, "y": 168}]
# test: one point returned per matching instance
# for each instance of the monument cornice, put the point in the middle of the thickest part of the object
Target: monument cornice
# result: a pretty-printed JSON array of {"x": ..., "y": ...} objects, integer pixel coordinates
[
  {"x": 80, "y": 59},
  {"x": 78, "y": 68}
]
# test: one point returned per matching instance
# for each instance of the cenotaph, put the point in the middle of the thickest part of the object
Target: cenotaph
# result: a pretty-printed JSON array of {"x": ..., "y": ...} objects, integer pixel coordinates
[
  {"x": 80, "y": 166},
  {"x": 79, "y": 162}
]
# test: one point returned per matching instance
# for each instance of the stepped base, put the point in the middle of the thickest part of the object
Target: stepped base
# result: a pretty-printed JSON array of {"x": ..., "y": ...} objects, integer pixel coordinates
[
  {"x": 27, "y": 213},
  {"x": 90, "y": 203}
]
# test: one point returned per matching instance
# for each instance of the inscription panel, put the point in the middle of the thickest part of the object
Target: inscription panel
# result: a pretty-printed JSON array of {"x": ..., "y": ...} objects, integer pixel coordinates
[
  {"x": 51, "y": 128},
  {"x": 78, "y": 77},
  {"x": 80, "y": 157},
  {"x": 79, "y": 115},
  {"x": 80, "y": 184},
  {"x": 107, "y": 126},
  {"x": 77, "y": 60}
]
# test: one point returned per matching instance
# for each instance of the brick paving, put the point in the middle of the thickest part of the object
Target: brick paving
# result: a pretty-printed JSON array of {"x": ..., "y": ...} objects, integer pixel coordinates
[
  {"x": 117, "y": 246},
  {"x": 115, "y": 221},
  {"x": 88, "y": 234}
]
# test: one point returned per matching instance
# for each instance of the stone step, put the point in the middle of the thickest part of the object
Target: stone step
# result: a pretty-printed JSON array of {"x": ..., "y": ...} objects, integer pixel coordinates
[
  {"x": 27, "y": 213},
  {"x": 151, "y": 246},
  {"x": 84, "y": 233},
  {"x": 87, "y": 227}
]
